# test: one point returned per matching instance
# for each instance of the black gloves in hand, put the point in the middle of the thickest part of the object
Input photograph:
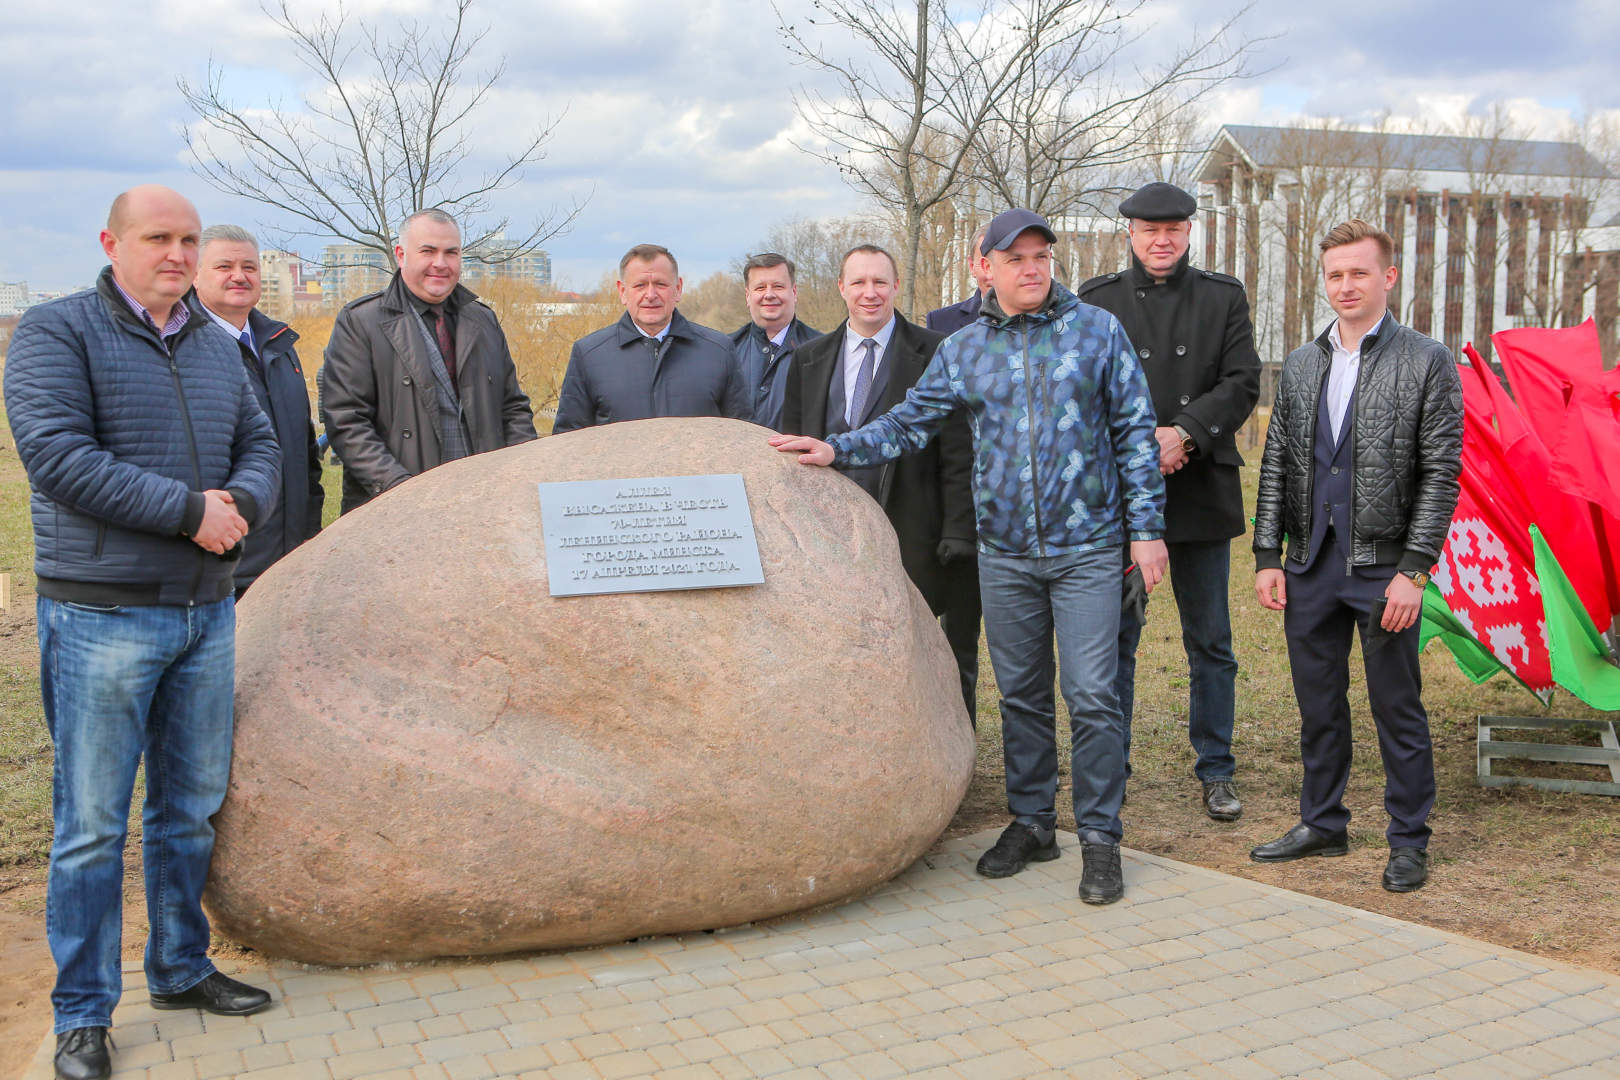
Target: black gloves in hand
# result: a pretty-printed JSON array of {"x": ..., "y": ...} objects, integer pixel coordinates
[
  {"x": 1133, "y": 601},
  {"x": 951, "y": 550}
]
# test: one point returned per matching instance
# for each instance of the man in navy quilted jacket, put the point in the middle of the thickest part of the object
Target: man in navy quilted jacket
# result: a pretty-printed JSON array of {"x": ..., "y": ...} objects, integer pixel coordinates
[{"x": 148, "y": 461}]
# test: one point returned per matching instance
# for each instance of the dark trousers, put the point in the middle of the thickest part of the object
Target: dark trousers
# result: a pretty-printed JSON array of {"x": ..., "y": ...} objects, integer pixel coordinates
[
  {"x": 960, "y": 620},
  {"x": 1324, "y": 606},
  {"x": 1198, "y": 576}
]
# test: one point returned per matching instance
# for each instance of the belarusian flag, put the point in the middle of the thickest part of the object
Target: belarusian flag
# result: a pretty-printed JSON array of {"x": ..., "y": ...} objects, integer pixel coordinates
[
  {"x": 1490, "y": 589},
  {"x": 1499, "y": 441},
  {"x": 1559, "y": 381},
  {"x": 1581, "y": 662}
]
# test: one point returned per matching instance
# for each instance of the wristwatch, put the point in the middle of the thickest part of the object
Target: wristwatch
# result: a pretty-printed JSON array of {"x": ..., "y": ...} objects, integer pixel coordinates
[
  {"x": 1188, "y": 447},
  {"x": 1419, "y": 578}
]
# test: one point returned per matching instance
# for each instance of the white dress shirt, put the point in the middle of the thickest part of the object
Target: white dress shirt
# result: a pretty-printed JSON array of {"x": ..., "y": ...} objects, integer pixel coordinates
[
  {"x": 225, "y": 325},
  {"x": 852, "y": 362},
  {"x": 1342, "y": 373}
]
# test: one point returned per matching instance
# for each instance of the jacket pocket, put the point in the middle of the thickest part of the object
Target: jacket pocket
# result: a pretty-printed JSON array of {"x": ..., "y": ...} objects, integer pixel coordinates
[{"x": 101, "y": 537}]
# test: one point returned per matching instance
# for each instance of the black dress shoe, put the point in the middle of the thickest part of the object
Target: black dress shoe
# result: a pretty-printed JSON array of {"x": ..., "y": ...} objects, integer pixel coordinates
[
  {"x": 1101, "y": 879},
  {"x": 218, "y": 994},
  {"x": 1220, "y": 800},
  {"x": 1018, "y": 846},
  {"x": 1408, "y": 869},
  {"x": 81, "y": 1054},
  {"x": 1300, "y": 842}
]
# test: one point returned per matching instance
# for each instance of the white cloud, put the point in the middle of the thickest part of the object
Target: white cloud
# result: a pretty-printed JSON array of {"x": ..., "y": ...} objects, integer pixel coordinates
[{"x": 681, "y": 117}]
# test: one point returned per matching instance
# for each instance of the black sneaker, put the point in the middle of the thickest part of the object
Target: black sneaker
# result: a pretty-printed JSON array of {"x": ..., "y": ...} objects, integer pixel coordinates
[
  {"x": 81, "y": 1054},
  {"x": 1018, "y": 847},
  {"x": 1101, "y": 879}
]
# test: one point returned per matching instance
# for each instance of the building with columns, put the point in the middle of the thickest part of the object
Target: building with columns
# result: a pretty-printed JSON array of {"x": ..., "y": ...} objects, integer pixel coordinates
[{"x": 1490, "y": 233}]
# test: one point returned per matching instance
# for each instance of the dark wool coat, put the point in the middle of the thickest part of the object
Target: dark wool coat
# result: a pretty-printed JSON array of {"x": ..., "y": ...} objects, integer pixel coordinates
[{"x": 1195, "y": 341}]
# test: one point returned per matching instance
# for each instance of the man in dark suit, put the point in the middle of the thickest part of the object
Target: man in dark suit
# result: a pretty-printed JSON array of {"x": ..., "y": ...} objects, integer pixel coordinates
[
  {"x": 229, "y": 288},
  {"x": 948, "y": 320},
  {"x": 860, "y": 371},
  {"x": 1192, "y": 333},
  {"x": 963, "y": 612},
  {"x": 1359, "y": 483},
  {"x": 766, "y": 342}
]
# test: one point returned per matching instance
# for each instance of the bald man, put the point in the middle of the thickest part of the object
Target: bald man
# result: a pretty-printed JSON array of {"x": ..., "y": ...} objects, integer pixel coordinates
[{"x": 148, "y": 461}]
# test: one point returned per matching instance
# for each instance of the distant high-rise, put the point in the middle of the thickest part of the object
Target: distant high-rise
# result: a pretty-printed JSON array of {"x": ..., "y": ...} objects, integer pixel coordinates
[
  {"x": 280, "y": 273},
  {"x": 491, "y": 259},
  {"x": 14, "y": 298},
  {"x": 349, "y": 271}
]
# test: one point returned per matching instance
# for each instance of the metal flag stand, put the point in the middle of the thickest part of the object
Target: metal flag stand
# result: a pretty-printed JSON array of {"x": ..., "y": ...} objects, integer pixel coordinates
[{"x": 1493, "y": 749}]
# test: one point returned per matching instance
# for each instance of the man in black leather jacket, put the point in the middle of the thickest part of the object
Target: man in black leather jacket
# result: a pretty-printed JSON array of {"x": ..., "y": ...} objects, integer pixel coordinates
[{"x": 1360, "y": 478}]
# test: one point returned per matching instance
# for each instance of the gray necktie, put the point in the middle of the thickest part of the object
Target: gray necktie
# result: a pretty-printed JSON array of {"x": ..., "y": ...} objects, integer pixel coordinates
[{"x": 863, "y": 383}]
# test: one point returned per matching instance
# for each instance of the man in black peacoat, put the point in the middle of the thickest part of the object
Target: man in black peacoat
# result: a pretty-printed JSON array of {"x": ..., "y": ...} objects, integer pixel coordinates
[{"x": 1193, "y": 335}]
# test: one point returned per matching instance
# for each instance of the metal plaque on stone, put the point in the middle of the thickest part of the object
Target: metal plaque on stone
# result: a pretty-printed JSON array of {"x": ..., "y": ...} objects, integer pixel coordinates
[{"x": 649, "y": 534}]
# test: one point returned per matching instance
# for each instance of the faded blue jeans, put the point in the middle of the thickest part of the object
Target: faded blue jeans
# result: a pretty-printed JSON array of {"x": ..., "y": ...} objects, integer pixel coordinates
[
  {"x": 1077, "y": 596},
  {"x": 1199, "y": 578},
  {"x": 120, "y": 683}
]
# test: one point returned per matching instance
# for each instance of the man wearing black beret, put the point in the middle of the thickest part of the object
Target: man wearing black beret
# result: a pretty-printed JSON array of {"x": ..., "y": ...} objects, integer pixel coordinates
[{"x": 1193, "y": 335}]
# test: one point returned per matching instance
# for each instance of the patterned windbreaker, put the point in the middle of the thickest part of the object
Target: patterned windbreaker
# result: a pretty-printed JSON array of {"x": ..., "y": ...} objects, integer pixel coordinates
[{"x": 1062, "y": 428}]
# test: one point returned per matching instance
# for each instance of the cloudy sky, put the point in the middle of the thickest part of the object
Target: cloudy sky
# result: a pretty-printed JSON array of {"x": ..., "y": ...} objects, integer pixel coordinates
[{"x": 678, "y": 120}]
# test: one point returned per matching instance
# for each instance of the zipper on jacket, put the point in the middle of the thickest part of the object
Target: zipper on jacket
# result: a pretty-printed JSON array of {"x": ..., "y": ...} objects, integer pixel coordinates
[
  {"x": 1034, "y": 476},
  {"x": 196, "y": 463}
]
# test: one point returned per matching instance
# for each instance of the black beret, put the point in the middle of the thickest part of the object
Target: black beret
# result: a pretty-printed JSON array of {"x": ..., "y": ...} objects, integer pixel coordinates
[{"x": 1159, "y": 201}]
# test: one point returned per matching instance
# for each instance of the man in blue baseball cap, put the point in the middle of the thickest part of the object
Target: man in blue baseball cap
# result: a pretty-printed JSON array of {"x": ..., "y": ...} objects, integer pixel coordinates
[{"x": 1066, "y": 473}]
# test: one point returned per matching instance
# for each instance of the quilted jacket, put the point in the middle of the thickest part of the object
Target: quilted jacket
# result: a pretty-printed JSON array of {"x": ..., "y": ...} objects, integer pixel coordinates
[
  {"x": 1062, "y": 428},
  {"x": 1406, "y": 451},
  {"x": 120, "y": 437}
]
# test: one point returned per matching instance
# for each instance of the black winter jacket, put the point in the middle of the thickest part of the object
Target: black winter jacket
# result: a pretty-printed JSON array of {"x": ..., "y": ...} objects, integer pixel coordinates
[
  {"x": 284, "y": 396},
  {"x": 1406, "y": 452}
]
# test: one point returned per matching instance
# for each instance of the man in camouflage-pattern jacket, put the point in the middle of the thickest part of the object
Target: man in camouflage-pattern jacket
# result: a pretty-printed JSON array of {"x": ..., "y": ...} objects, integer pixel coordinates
[{"x": 1065, "y": 472}]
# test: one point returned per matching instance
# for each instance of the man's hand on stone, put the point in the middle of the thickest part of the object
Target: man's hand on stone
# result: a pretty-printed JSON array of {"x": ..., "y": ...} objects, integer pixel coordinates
[
  {"x": 1151, "y": 557},
  {"x": 1271, "y": 586},
  {"x": 1404, "y": 604},
  {"x": 222, "y": 527},
  {"x": 810, "y": 451},
  {"x": 1171, "y": 455}
]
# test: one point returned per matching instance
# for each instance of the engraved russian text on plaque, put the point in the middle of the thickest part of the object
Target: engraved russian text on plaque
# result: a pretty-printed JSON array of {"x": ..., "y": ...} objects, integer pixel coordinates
[{"x": 648, "y": 534}]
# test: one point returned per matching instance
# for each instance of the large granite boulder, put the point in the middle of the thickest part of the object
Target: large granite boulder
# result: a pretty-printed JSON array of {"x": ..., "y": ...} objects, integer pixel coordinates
[{"x": 435, "y": 757}]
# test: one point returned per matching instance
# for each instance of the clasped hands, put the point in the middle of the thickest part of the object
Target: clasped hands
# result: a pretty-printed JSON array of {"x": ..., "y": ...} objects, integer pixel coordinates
[{"x": 222, "y": 526}]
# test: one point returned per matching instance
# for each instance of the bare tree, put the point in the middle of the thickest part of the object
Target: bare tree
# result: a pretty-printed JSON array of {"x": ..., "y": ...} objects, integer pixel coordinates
[
  {"x": 386, "y": 132},
  {"x": 1021, "y": 99},
  {"x": 907, "y": 108},
  {"x": 1086, "y": 124}
]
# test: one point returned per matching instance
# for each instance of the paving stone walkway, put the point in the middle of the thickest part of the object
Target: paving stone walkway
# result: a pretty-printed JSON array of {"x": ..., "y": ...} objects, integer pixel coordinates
[{"x": 939, "y": 974}]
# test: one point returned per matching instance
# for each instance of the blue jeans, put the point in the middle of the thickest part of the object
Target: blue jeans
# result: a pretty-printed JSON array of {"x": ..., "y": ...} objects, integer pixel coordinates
[
  {"x": 120, "y": 683},
  {"x": 1025, "y": 601},
  {"x": 1198, "y": 574}
]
